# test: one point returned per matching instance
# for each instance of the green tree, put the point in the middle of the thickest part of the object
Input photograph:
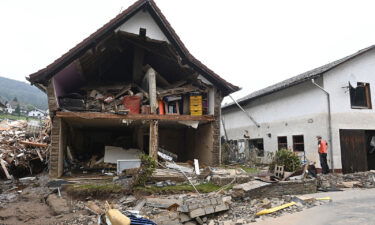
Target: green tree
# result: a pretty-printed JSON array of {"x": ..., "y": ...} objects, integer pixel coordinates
[
  {"x": 29, "y": 107},
  {"x": 17, "y": 111}
]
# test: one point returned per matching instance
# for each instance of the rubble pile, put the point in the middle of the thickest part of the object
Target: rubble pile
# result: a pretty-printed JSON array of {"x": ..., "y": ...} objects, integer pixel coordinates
[
  {"x": 350, "y": 180},
  {"x": 23, "y": 147},
  {"x": 244, "y": 211}
]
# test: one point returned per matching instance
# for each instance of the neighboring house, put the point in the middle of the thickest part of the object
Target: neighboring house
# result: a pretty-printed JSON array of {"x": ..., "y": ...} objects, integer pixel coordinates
[
  {"x": 290, "y": 114},
  {"x": 9, "y": 108},
  {"x": 36, "y": 113},
  {"x": 121, "y": 58}
]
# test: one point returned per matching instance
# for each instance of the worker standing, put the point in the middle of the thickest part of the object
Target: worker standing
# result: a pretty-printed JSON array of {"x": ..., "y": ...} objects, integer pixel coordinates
[{"x": 322, "y": 149}]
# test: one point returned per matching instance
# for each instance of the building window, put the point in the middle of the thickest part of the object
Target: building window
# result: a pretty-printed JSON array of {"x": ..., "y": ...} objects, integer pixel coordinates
[
  {"x": 258, "y": 145},
  {"x": 298, "y": 143},
  {"x": 282, "y": 142},
  {"x": 360, "y": 97}
]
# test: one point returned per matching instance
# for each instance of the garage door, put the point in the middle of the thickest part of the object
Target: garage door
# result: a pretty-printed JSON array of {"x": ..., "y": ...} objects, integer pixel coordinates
[{"x": 353, "y": 151}]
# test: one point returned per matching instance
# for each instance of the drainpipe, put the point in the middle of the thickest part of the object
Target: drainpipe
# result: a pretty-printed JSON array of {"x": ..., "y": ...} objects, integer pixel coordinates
[
  {"x": 247, "y": 114},
  {"x": 329, "y": 122}
]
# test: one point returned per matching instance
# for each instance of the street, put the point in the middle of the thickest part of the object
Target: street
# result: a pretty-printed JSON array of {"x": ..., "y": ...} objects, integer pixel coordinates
[{"x": 354, "y": 206}]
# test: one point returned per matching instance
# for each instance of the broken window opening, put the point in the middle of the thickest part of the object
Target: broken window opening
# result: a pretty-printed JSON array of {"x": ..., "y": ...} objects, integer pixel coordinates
[
  {"x": 257, "y": 145},
  {"x": 360, "y": 97},
  {"x": 298, "y": 143},
  {"x": 282, "y": 142}
]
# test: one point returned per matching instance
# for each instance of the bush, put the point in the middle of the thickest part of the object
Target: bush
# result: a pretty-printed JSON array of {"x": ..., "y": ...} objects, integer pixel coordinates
[
  {"x": 286, "y": 158},
  {"x": 148, "y": 166}
]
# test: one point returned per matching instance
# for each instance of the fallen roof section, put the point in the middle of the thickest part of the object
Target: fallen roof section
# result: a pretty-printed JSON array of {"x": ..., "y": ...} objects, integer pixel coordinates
[
  {"x": 311, "y": 74},
  {"x": 43, "y": 75}
]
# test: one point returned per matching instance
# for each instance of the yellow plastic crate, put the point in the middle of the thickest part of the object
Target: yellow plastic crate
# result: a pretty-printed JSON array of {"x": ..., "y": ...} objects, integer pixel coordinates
[
  {"x": 196, "y": 97},
  {"x": 196, "y": 112},
  {"x": 196, "y": 107}
]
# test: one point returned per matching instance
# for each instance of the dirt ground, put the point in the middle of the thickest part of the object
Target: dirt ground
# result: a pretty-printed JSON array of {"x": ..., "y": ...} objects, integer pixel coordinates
[{"x": 27, "y": 205}]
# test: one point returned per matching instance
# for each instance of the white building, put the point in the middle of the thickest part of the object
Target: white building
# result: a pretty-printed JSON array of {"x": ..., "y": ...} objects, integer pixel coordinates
[
  {"x": 9, "y": 109},
  {"x": 36, "y": 113},
  {"x": 290, "y": 114}
]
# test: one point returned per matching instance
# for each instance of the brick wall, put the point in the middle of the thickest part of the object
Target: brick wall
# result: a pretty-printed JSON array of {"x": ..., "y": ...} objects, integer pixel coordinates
[
  {"x": 216, "y": 128},
  {"x": 55, "y": 147}
]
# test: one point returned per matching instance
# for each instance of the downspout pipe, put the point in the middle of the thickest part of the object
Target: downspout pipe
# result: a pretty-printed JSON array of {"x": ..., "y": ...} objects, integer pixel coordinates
[
  {"x": 244, "y": 111},
  {"x": 329, "y": 122}
]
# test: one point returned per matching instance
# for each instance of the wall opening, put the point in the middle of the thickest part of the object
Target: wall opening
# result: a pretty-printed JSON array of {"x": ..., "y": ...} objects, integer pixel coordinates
[
  {"x": 298, "y": 143},
  {"x": 282, "y": 142},
  {"x": 257, "y": 145},
  {"x": 360, "y": 97}
]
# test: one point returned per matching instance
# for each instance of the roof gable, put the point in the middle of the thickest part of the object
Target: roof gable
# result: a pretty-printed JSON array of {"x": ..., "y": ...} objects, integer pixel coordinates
[
  {"x": 141, "y": 13},
  {"x": 143, "y": 19}
]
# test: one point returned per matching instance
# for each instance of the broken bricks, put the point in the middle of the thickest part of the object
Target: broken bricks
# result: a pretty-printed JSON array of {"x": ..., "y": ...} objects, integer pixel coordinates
[{"x": 208, "y": 205}]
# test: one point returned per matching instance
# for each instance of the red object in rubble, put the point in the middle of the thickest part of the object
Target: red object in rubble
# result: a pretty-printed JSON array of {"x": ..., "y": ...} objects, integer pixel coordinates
[{"x": 133, "y": 103}]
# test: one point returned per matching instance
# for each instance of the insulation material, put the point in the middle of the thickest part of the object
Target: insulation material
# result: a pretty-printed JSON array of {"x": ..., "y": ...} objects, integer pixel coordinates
[{"x": 112, "y": 154}]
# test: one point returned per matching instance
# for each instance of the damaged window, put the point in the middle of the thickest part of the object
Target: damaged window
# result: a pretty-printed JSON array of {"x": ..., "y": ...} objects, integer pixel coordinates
[
  {"x": 282, "y": 142},
  {"x": 257, "y": 145},
  {"x": 298, "y": 143},
  {"x": 360, "y": 96}
]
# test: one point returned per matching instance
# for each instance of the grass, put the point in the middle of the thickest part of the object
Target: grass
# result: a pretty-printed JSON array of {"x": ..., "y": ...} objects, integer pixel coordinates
[
  {"x": 245, "y": 168},
  {"x": 12, "y": 117},
  {"x": 249, "y": 169},
  {"x": 203, "y": 188},
  {"x": 94, "y": 190}
]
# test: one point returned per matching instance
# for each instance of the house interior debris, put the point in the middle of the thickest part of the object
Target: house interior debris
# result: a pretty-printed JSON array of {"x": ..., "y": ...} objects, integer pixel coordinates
[{"x": 131, "y": 93}]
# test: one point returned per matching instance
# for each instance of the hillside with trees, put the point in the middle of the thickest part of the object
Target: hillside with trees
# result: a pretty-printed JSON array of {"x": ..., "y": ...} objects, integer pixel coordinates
[{"x": 23, "y": 92}]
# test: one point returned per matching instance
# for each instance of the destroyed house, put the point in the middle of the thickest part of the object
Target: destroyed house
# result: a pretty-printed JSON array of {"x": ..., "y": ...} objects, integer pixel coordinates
[{"x": 132, "y": 86}]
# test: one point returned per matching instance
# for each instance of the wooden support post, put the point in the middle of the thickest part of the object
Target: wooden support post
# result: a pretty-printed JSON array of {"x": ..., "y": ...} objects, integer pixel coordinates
[
  {"x": 138, "y": 64},
  {"x": 154, "y": 139},
  {"x": 151, "y": 78}
]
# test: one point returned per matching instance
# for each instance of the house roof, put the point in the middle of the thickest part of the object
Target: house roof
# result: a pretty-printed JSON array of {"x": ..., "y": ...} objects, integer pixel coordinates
[
  {"x": 43, "y": 75},
  {"x": 311, "y": 74}
]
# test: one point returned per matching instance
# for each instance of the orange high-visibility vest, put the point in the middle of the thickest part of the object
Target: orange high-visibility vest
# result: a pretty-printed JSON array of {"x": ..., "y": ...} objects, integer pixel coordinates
[{"x": 323, "y": 146}]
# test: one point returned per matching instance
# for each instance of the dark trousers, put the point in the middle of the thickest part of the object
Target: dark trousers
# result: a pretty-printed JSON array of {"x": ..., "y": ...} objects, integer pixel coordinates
[{"x": 323, "y": 162}]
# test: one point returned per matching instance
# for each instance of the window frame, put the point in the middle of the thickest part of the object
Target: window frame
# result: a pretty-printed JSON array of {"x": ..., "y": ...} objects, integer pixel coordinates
[
  {"x": 251, "y": 143},
  {"x": 367, "y": 96},
  {"x": 298, "y": 143},
  {"x": 281, "y": 145}
]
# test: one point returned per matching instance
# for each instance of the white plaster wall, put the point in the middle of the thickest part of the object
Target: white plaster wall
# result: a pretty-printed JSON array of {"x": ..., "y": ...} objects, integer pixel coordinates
[
  {"x": 35, "y": 114},
  {"x": 143, "y": 19},
  {"x": 343, "y": 116},
  {"x": 298, "y": 104},
  {"x": 299, "y": 110}
]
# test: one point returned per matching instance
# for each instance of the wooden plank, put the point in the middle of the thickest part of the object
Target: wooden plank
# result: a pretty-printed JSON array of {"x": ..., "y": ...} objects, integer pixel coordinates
[
  {"x": 39, "y": 155},
  {"x": 2, "y": 162},
  {"x": 96, "y": 115},
  {"x": 34, "y": 144},
  {"x": 151, "y": 78},
  {"x": 154, "y": 139}
]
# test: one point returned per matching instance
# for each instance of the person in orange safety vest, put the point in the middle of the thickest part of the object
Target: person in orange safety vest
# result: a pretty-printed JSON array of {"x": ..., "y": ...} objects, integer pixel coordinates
[{"x": 322, "y": 149}]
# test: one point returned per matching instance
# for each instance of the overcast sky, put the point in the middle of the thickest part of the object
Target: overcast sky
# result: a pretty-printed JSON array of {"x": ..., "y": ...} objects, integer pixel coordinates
[{"x": 251, "y": 44}]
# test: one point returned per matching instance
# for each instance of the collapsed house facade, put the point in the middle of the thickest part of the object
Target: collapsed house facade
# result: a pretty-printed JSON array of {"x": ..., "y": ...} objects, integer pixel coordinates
[
  {"x": 334, "y": 101},
  {"x": 132, "y": 84}
]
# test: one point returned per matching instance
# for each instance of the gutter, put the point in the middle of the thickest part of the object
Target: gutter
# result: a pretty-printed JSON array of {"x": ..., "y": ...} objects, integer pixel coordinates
[{"x": 329, "y": 122}]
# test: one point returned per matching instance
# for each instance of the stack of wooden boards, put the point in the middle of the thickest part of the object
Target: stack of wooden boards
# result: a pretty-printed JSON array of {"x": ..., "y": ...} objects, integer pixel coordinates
[{"x": 23, "y": 153}]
